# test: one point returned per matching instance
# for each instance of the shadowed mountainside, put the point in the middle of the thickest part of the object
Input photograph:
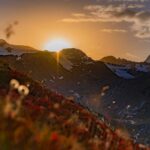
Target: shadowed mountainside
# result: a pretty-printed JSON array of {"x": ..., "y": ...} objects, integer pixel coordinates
[
  {"x": 49, "y": 121},
  {"x": 103, "y": 88}
]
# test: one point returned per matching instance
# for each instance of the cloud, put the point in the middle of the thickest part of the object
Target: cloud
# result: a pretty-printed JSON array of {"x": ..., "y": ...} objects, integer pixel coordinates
[
  {"x": 114, "y": 30},
  {"x": 78, "y": 15},
  {"x": 135, "y": 6},
  {"x": 135, "y": 14}
]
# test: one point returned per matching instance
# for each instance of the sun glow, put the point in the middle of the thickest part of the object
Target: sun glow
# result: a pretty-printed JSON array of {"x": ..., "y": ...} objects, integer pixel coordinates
[{"x": 57, "y": 44}]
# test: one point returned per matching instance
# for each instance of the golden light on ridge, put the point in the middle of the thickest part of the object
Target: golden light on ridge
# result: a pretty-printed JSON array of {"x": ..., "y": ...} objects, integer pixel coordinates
[{"x": 57, "y": 44}]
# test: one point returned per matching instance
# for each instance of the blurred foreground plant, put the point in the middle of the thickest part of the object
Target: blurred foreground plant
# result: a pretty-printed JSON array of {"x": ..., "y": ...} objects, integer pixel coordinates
[{"x": 12, "y": 108}]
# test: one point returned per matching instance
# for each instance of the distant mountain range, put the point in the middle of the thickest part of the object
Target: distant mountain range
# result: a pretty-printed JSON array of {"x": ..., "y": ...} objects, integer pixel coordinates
[
  {"x": 117, "y": 88},
  {"x": 114, "y": 60},
  {"x": 121, "y": 61}
]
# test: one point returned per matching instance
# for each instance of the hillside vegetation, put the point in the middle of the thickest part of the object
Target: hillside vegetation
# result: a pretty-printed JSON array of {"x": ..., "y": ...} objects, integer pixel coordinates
[{"x": 33, "y": 117}]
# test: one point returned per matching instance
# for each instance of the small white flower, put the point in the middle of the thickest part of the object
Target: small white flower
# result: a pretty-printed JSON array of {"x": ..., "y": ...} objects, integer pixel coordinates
[
  {"x": 23, "y": 90},
  {"x": 14, "y": 84}
]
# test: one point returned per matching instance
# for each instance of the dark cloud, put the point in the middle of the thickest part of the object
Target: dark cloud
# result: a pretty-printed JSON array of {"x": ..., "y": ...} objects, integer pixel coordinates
[{"x": 9, "y": 30}]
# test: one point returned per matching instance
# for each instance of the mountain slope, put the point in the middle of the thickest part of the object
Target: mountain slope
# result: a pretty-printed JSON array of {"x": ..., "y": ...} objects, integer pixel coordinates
[
  {"x": 47, "y": 120},
  {"x": 43, "y": 66},
  {"x": 147, "y": 60},
  {"x": 94, "y": 85}
]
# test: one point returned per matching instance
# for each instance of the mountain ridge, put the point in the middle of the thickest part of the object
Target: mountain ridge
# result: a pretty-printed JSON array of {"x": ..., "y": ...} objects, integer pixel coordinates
[
  {"x": 103, "y": 88},
  {"x": 11, "y": 49}
]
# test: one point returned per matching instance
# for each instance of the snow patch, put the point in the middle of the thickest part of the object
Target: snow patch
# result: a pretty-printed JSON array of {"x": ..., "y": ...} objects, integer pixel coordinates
[
  {"x": 65, "y": 62},
  {"x": 142, "y": 68},
  {"x": 124, "y": 74},
  {"x": 16, "y": 50},
  {"x": 18, "y": 58},
  {"x": 120, "y": 71}
]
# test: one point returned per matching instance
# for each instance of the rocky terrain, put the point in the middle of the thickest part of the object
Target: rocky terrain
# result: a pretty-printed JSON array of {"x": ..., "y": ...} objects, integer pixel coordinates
[
  {"x": 118, "y": 91},
  {"x": 33, "y": 117}
]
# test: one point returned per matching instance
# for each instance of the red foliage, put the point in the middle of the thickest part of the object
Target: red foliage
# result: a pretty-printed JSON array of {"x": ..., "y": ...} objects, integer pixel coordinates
[
  {"x": 54, "y": 137},
  {"x": 67, "y": 120}
]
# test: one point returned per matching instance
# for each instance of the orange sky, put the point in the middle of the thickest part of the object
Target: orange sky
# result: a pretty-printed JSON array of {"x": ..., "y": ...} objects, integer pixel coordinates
[{"x": 69, "y": 20}]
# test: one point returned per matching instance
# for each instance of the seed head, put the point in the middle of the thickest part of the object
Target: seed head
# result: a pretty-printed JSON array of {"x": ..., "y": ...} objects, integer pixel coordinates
[
  {"x": 14, "y": 84},
  {"x": 23, "y": 90}
]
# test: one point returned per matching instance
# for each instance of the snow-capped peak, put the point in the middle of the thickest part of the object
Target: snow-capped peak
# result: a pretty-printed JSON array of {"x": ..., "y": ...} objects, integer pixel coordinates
[{"x": 18, "y": 50}]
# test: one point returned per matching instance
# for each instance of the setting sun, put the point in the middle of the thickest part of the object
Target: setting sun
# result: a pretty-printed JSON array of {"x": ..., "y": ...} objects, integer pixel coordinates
[{"x": 57, "y": 45}]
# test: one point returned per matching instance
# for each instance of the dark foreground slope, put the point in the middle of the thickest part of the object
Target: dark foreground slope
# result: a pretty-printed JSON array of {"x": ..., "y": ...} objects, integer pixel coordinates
[
  {"x": 47, "y": 120},
  {"x": 94, "y": 85}
]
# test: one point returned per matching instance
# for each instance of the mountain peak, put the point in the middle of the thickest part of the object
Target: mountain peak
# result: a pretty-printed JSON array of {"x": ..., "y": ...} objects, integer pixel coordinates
[
  {"x": 76, "y": 56},
  {"x": 70, "y": 51},
  {"x": 2, "y": 42},
  {"x": 147, "y": 59}
]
